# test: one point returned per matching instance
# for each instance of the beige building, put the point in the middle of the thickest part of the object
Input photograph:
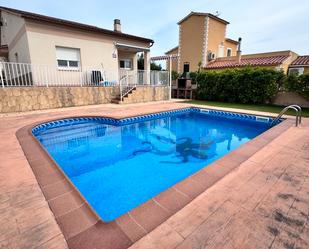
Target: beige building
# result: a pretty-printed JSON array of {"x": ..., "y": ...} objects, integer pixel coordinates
[
  {"x": 203, "y": 41},
  {"x": 69, "y": 46},
  {"x": 300, "y": 65},
  {"x": 202, "y": 38},
  {"x": 279, "y": 60}
]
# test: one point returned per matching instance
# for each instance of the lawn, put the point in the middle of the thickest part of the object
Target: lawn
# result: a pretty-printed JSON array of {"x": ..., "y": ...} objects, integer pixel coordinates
[{"x": 254, "y": 107}]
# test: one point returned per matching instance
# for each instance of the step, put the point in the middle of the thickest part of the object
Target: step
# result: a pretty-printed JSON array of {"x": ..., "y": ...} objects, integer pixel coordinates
[{"x": 116, "y": 100}]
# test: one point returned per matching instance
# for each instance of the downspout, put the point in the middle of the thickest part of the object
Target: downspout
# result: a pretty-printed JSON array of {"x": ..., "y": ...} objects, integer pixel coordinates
[{"x": 170, "y": 77}]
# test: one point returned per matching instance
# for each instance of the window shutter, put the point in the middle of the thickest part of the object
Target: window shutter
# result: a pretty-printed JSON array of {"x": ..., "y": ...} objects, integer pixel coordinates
[{"x": 69, "y": 54}]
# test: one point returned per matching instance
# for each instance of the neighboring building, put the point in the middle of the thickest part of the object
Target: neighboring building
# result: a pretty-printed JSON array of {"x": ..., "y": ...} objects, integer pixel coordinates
[
  {"x": 42, "y": 40},
  {"x": 300, "y": 65},
  {"x": 202, "y": 37},
  {"x": 277, "y": 60},
  {"x": 203, "y": 41}
]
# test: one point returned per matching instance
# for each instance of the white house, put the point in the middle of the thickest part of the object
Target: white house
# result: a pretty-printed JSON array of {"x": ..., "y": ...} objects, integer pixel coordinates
[{"x": 67, "y": 50}]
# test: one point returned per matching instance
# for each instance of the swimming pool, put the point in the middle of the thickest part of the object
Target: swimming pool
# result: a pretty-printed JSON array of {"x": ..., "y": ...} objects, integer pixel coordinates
[{"x": 119, "y": 164}]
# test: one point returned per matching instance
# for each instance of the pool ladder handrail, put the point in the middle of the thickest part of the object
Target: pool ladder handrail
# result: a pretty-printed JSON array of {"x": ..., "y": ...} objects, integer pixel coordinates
[{"x": 296, "y": 108}]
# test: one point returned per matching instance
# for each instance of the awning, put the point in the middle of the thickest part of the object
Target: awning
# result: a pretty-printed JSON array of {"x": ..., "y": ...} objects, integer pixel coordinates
[{"x": 131, "y": 48}]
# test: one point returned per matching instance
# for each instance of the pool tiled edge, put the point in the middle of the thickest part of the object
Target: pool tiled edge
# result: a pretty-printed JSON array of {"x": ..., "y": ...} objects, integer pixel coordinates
[
  {"x": 83, "y": 229},
  {"x": 138, "y": 118}
]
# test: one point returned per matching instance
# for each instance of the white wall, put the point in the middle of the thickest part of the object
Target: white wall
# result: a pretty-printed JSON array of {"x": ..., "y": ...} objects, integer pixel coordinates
[
  {"x": 95, "y": 49},
  {"x": 11, "y": 26},
  {"x": 128, "y": 55},
  {"x": 21, "y": 48},
  {"x": 13, "y": 34}
]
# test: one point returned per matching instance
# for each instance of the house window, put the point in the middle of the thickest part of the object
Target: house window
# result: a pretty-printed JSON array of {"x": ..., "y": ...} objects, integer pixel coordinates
[
  {"x": 126, "y": 64},
  {"x": 296, "y": 70},
  {"x": 68, "y": 58},
  {"x": 229, "y": 52}
]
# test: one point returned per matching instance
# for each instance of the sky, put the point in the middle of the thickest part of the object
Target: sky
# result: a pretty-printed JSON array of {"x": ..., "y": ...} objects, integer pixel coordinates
[{"x": 264, "y": 25}]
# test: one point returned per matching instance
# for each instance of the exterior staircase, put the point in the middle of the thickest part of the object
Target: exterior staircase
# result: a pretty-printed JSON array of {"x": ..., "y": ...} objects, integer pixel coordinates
[{"x": 126, "y": 92}]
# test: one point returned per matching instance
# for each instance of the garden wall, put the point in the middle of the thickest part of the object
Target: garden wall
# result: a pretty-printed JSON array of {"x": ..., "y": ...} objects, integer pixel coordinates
[
  {"x": 19, "y": 99},
  {"x": 147, "y": 93},
  {"x": 289, "y": 98},
  {"x": 37, "y": 98}
]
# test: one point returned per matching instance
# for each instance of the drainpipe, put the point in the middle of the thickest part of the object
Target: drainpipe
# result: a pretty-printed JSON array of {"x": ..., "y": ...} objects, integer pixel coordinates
[
  {"x": 170, "y": 78},
  {"x": 238, "y": 55}
]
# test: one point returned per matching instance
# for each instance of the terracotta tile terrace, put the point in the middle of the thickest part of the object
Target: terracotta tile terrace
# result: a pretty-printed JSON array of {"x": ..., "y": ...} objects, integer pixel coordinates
[{"x": 255, "y": 197}]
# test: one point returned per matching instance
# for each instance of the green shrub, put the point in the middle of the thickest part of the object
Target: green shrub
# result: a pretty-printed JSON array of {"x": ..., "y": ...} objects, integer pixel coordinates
[
  {"x": 175, "y": 75},
  {"x": 245, "y": 85},
  {"x": 304, "y": 82},
  {"x": 298, "y": 83}
]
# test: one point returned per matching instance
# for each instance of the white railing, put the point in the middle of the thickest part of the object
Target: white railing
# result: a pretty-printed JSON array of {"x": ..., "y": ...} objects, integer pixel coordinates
[
  {"x": 159, "y": 78},
  {"x": 156, "y": 78},
  {"x": 126, "y": 84},
  {"x": 129, "y": 80},
  {"x": 130, "y": 76},
  {"x": 26, "y": 75}
]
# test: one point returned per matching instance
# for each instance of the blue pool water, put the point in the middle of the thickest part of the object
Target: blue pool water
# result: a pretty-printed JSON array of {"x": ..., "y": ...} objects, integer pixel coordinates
[{"x": 118, "y": 167}]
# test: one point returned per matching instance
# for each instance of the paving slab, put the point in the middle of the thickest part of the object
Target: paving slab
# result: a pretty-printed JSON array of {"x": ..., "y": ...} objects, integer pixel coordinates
[{"x": 259, "y": 198}]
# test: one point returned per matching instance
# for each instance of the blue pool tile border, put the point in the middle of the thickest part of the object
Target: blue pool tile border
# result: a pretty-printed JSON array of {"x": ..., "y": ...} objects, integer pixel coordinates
[{"x": 137, "y": 119}]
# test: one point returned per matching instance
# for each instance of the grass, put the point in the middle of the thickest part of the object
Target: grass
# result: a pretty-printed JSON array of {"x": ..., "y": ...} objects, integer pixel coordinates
[{"x": 254, "y": 107}]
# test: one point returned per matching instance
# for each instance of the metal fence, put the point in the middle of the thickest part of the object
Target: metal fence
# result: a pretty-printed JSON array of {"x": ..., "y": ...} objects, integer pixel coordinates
[
  {"x": 142, "y": 77},
  {"x": 28, "y": 75}
]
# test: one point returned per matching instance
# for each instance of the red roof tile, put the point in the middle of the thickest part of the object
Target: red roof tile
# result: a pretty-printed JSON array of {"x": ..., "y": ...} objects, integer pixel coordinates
[
  {"x": 257, "y": 61},
  {"x": 301, "y": 61}
]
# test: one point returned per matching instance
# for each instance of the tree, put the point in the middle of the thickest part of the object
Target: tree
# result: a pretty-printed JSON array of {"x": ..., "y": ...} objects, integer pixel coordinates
[
  {"x": 140, "y": 62},
  {"x": 153, "y": 66}
]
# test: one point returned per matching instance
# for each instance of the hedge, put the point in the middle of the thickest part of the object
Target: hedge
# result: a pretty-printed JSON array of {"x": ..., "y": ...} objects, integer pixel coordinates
[
  {"x": 298, "y": 83},
  {"x": 245, "y": 85}
]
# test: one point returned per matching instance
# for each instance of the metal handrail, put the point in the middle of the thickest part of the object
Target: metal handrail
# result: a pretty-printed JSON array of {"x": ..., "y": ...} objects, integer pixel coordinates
[
  {"x": 124, "y": 89},
  {"x": 299, "y": 114},
  {"x": 296, "y": 108}
]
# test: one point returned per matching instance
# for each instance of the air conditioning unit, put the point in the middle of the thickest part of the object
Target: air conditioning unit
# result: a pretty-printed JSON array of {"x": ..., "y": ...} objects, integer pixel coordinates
[{"x": 211, "y": 56}]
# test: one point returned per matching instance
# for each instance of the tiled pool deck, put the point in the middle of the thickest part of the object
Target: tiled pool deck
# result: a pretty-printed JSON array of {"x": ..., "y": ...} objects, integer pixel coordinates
[{"x": 255, "y": 197}]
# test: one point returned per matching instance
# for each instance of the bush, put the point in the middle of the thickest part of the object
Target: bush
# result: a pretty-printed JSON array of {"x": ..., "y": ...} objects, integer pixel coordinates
[
  {"x": 298, "y": 83},
  {"x": 245, "y": 85},
  {"x": 175, "y": 75}
]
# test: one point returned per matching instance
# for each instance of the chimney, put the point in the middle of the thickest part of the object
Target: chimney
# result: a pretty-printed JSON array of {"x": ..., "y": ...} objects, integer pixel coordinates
[
  {"x": 238, "y": 55},
  {"x": 117, "y": 25}
]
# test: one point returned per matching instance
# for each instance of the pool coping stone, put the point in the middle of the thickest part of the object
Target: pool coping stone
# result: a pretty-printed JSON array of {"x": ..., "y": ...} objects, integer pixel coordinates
[{"x": 81, "y": 226}]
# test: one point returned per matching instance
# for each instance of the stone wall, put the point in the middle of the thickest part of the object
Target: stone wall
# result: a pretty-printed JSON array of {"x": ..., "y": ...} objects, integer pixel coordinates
[
  {"x": 37, "y": 98},
  {"x": 19, "y": 99},
  {"x": 289, "y": 98},
  {"x": 147, "y": 93}
]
